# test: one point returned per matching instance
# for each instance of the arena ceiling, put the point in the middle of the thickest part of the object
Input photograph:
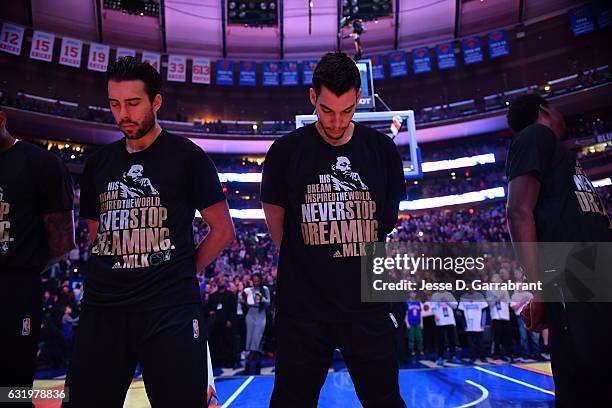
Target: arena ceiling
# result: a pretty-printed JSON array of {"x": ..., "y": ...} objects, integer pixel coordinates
[{"x": 195, "y": 27}]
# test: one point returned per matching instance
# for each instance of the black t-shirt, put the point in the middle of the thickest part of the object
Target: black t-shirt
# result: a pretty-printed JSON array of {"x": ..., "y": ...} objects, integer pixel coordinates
[
  {"x": 568, "y": 207},
  {"x": 336, "y": 198},
  {"x": 145, "y": 203},
  {"x": 33, "y": 182}
]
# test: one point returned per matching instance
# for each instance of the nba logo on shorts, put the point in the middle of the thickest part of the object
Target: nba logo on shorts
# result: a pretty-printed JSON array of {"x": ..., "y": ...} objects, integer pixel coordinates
[
  {"x": 196, "y": 329},
  {"x": 25, "y": 327}
]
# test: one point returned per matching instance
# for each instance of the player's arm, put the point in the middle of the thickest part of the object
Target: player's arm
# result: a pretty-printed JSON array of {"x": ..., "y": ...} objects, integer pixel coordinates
[
  {"x": 59, "y": 227},
  {"x": 275, "y": 219},
  {"x": 523, "y": 194},
  {"x": 221, "y": 233},
  {"x": 92, "y": 231}
]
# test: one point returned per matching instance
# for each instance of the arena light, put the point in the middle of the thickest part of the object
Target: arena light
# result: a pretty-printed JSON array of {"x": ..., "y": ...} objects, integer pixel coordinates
[
  {"x": 252, "y": 13},
  {"x": 603, "y": 182},
  {"x": 427, "y": 167},
  {"x": 458, "y": 163},
  {"x": 444, "y": 201},
  {"x": 240, "y": 177}
]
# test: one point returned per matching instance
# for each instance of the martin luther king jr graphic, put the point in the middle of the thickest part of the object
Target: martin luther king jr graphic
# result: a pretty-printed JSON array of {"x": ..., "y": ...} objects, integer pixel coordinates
[
  {"x": 344, "y": 178},
  {"x": 134, "y": 184}
]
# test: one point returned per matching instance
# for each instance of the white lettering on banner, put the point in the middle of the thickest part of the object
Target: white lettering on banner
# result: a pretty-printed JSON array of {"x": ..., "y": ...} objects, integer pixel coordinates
[
  {"x": 125, "y": 52},
  {"x": 152, "y": 58}
]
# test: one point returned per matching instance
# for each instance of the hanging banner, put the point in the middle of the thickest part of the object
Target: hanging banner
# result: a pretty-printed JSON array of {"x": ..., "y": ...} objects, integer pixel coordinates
[
  {"x": 271, "y": 73},
  {"x": 70, "y": 53},
  {"x": 581, "y": 20},
  {"x": 397, "y": 64},
  {"x": 472, "y": 52},
  {"x": 153, "y": 58},
  {"x": 177, "y": 68},
  {"x": 498, "y": 44},
  {"x": 125, "y": 52},
  {"x": 248, "y": 73},
  {"x": 99, "y": 55},
  {"x": 446, "y": 56},
  {"x": 290, "y": 74},
  {"x": 378, "y": 67},
  {"x": 421, "y": 61},
  {"x": 200, "y": 70},
  {"x": 308, "y": 68},
  {"x": 225, "y": 72},
  {"x": 11, "y": 38},
  {"x": 603, "y": 14},
  {"x": 42, "y": 46}
]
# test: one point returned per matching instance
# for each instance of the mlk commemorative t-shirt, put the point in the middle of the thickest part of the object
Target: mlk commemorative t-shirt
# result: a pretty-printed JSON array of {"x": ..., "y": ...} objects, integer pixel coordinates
[
  {"x": 568, "y": 209},
  {"x": 33, "y": 182},
  {"x": 145, "y": 204},
  {"x": 336, "y": 199}
]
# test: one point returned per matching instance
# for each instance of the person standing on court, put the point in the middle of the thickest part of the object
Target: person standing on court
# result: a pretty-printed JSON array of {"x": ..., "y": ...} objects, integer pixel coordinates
[
  {"x": 141, "y": 299},
  {"x": 36, "y": 230},
  {"x": 327, "y": 189},
  {"x": 550, "y": 199}
]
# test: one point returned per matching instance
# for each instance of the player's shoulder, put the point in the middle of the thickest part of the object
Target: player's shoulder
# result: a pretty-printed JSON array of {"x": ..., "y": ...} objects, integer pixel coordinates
[
  {"x": 374, "y": 136},
  {"x": 291, "y": 141},
  {"x": 535, "y": 133},
  {"x": 36, "y": 154},
  {"x": 179, "y": 144}
]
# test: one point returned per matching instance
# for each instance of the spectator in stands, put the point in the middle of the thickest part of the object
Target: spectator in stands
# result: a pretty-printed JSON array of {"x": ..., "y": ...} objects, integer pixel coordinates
[
  {"x": 222, "y": 307},
  {"x": 257, "y": 299}
]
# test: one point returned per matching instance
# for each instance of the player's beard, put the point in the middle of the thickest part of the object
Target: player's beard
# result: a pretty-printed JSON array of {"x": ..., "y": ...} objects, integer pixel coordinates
[
  {"x": 142, "y": 128},
  {"x": 331, "y": 136}
]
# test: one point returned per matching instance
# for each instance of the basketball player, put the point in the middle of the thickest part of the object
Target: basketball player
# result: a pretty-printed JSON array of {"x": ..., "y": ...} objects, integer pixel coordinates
[
  {"x": 141, "y": 302},
  {"x": 544, "y": 179},
  {"x": 36, "y": 229},
  {"x": 327, "y": 188}
]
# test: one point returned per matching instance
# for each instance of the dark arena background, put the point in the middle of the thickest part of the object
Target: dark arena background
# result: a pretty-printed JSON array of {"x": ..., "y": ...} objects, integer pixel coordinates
[{"x": 438, "y": 78}]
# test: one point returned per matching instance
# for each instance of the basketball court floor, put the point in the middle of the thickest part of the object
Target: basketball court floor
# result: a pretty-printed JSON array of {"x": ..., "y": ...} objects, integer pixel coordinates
[{"x": 486, "y": 385}]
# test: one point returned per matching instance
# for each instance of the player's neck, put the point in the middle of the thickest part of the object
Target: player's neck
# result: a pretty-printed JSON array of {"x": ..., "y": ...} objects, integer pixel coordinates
[
  {"x": 138, "y": 145},
  {"x": 348, "y": 134},
  {"x": 6, "y": 141}
]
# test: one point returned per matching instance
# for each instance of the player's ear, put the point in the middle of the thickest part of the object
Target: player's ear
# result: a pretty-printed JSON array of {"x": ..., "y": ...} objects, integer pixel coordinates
[
  {"x": 358, "y": 94},
  {"x": 313, "y": 96}
]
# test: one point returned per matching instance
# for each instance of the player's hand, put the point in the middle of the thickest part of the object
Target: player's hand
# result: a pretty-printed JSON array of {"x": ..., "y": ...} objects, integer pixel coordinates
[{"x": 534, "y": 316}]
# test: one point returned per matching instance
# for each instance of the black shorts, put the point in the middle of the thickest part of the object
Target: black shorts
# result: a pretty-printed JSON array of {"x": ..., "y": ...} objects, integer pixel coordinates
[
  {"x": 304, "y": 354},
  {"x": 21, "y": 306},
  {"x": 580, "y": 336},
  {"x": 169, "y": 344}
]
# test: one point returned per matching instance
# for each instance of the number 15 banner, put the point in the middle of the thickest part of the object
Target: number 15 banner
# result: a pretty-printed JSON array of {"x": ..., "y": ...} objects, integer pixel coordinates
[
  {"x": 70, "y": 53},
  {"x": 42, "y": 46}
]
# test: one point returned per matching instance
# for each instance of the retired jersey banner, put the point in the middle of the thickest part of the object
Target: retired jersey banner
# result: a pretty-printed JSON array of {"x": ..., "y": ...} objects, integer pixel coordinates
[
  {"x": 153, "y": 58},
  {"x": 225, "y": 72},
  {"x": 308, "y": 68},
  {"x": 472, "y": 52},
  {"x": 248, "y": 73},
  {"x": 290, "y": 74},
  {"x": 397, "y": 64},
  {"x": 378, "y": 67},
  {"x": 421, "y": 61},
  {"x": 177, "y": 68},
  {"x": 498, "y": 44},
  {"x": 200, "y": 70},
  {"x": 42, "y": 46},
  {"x": 125, "y": 52},
  {"x": 271, "y": 73},
  {"x": 581, "y": 20},
  {"x": 446, "y": 56},
  {"x": 99, "y": 55},
  {"x": 71, "y": 51},
  {"x": 603, "y": 13},
  {"x": 11, "y": 38}
]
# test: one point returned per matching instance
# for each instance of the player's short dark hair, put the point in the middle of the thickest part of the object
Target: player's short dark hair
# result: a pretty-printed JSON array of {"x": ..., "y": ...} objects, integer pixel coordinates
[
  {"x": 130, "y": 69},
  {"x": 524, "y": 111},
  {"x": 337, "y": 72}
]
